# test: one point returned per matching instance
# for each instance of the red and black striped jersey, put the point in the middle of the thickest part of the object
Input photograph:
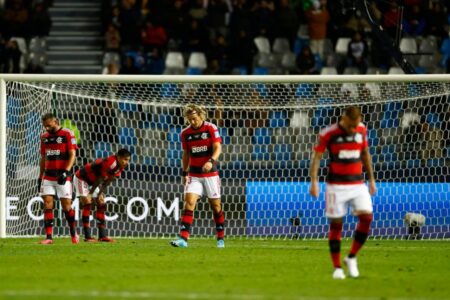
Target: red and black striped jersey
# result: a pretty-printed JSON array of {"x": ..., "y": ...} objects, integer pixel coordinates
[
  {"x": 345, "y": 166},
  {"x": 199, "y": 143},
  {"x": 55, "y": 148},
  {"x": 106, "y": 168}
]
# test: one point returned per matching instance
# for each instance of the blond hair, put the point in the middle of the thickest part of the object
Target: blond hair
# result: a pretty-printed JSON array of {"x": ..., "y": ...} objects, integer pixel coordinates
[{"x": 191, "y": 109}]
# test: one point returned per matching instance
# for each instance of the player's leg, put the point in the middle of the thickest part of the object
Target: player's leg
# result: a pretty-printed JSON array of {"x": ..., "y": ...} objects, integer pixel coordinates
[
  {"x": 101, "y": 221},
  {"x": 64, "y": 193},
  {"x": 362, "y": 208},
  {"x": 193, "y": 191},
  {"x": 335, "y": 210},
  {"x": 48, "y": 218},
  {"x": 212, "y": 190},
  {"x": 82, "y": 188}
]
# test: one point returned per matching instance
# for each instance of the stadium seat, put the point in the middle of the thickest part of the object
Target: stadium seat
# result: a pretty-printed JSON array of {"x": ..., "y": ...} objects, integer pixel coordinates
[
  {"x": 174, "y": 135},
  {"x": 169, "y": 90},
  {"x": 127, "y": 136},
  {"x": 351, "y": 71},
  {"x": 128, "y": 107},
  {"x": 262, "y": 136},
  {"x": 281, "y": 45},
  {"x": 193, "y": 71},
  {"x": 408, "y": 45},
  {"x": 374, "y": 89},
  {"x": 111, "y": 58},
  {"x": 174, "y": 60},
  {"x": 265, "y": 60},
  {"x": 262, "y": 44},
  {"x": 260, "y": 152},
  {"x": 427, "y": 61},
  {"x": 197, "y": 60},
  {"x": 304, "y": 90},
  {"x": 37, "y": 45},
  {"x": 288, "y": 61},
  {"x": 342, "y": 45},
  {"x": 260, "y": 71},
  {"x": 102, "y": 149},
  {"x": 282, "y": 152},
  {"x": 445, "y": 47},
  {"x": 395, "y": 70},
  {"x": 375, "y": 70},
  {"x": 278, "y": 119},
  {"x": 428, "y": 46},
  {"x": 322, "y": 114},
  {"x": 328, "y": 71}
]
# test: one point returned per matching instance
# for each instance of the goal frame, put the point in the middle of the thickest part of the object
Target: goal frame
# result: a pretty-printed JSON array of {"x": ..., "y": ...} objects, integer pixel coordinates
[{"x": 175, "y": 79}]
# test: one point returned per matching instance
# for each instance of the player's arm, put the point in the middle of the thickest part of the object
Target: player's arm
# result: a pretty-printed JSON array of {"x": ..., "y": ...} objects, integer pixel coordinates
[
  {"x": 185, "y": 164},
  {"x": 314, "y": 173},
  {"x": 367, "y": 163},
  {"x": 41, "y": 171},
  {"x": 217, "y": 150},
  {"x": 70, "y": 162}
]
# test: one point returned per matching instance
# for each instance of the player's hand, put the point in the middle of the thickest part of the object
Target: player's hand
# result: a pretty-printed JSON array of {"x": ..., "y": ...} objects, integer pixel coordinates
[
  {"x": 372, "y": 187},
  {"x": 207, "y": 167},
  {"x": 89, "y": 198},
  {"x": 314, "y": 189},
  {"x": 39, "y": 184},
  {"x": 101, "y": 198},
  {"x": 63, "y": 178}
]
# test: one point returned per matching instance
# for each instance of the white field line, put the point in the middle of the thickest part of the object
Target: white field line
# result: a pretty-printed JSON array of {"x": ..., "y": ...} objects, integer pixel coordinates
[{"x": 174, "y": 295}]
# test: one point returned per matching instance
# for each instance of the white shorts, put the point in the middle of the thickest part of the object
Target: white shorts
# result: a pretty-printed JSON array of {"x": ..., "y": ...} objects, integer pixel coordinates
[
  {"x": 52, "y": 188},
  {"x": 203, "y": 185},
  {"x": 82, "y": 188},
  {"x": 339, "y": 196}
]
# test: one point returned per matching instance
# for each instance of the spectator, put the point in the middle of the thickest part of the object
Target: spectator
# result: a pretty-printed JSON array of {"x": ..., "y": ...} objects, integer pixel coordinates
[
  {"x": 357, "y": 53},
  {"x": 154, "y": 63},
  {"x": 129, "y": 20},
  {"x": 241, "y": 58},
  {"x": 318, "y": 18},
  {"x": 286, "y": 21},
  {"x": 217, "y": 14},
  {"x": 34, "y": 68},
  {"x": 16, "y": 18},
  {"x": 196, "y": 38},
  {"x": 177, "y": 21},
  {"x": 112, "y": 39},
  {"x": 262, "y": 17},
  {"x": 414, "y": 23},
  {"x": 219, "y": 52},
  {"x": 129, "y": 66},
  {"x": 153, "y": 35},
  {"x": 40, "y": 22},
  {"x": 12, "y": 57},
  {"x": 198, "y": 11},
  {"x": 306, "y": 61},
  {"x": 111, "y": 69},
  {"x": 435, "y": 19}
]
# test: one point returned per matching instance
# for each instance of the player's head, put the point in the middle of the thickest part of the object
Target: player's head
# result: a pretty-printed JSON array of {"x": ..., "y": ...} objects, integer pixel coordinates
[
  {"x": 194, "y": 114},
  {"x": 50, "y": 123},
  {"x": 351, "y": 118},
  {"x": 123, "y": 157}
]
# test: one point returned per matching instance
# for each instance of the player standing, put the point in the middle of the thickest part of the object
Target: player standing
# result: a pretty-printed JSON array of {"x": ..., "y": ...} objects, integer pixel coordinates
[
  {"x": 347, "y": 144},
  {"x": 202, "y": 146},
  {"x": 58, "y": 153},
  {"x": 90, "y": 183}
]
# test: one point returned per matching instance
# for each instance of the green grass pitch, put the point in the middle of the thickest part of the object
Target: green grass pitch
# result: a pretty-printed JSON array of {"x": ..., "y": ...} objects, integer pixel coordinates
[{"x": 245, "y": 269}]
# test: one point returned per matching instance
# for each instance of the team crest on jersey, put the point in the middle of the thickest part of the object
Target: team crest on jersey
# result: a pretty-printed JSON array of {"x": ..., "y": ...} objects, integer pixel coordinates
[
  {"x": 358, "y": 138},
  {"x": 59, "y": 140},
  {"x": 204, "y": 135}
]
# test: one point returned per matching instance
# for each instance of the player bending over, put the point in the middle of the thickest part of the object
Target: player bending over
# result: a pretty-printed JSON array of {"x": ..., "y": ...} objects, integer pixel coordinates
[
  {"x": 347, "y": 143},
  {"x": 90, "y": 183},
  {"x": 58, "y": 147},
  {"x": 201, "y": 148}
]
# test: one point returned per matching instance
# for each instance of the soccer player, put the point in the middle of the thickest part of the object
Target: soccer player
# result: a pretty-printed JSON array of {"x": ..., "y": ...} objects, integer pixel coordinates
[
  {"x": 90, "y": 183},
  {"x": 58, "y": 153},
  {"x": 202, "y": 146},
  {"x": 347, "y": 144}
]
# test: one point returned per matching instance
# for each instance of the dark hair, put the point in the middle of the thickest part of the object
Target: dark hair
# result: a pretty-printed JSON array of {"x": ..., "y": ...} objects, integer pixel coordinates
[
  {"x": 123, "y": 153},
  {"x": 48, "y": 116},
  {"x": 353, "y": 113}
]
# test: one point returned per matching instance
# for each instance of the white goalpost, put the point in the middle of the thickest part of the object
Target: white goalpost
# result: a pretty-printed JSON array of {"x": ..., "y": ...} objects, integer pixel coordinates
[{"x": 268, "y": 124}]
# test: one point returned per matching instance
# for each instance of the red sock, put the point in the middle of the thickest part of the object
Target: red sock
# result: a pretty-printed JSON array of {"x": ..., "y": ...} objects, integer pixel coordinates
[
  {"x": 334, "y": 242},
  {"x": 85, "y": 219},
  {"x": 101, "y": 223},
  {"x": 219, "y": 219},
  {"x": 70, "y": 217},
  {"x": 186, "y": 221},
  {"x": 48, "y": 223},
  {"x": 361, "y": 233}
]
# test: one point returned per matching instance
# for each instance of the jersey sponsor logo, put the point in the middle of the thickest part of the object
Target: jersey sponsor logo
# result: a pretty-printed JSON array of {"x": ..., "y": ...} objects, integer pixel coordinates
[
  {"x": 199, "y": 149},
  {"x": 53, "y": 152},
  {"x": 349, "y": 154}
]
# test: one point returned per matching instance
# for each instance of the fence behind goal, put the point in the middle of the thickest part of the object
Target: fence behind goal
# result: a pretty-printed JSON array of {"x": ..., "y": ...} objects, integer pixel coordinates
[{"x": 268, "y": 124}]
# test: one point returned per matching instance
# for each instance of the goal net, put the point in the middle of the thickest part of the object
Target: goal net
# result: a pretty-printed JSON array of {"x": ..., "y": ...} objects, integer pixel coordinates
[{"x": 268, "y": 124}]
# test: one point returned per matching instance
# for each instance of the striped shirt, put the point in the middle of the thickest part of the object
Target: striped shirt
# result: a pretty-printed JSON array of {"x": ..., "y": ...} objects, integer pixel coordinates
[
  {"x": 106, "y": 168},
  {"x": 199, "y": 143},
  {"x": 345, "y": 166}
]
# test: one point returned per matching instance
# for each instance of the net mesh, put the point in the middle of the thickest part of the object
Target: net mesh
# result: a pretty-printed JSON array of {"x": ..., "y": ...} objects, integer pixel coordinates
[{"x": 268, "y": 131}]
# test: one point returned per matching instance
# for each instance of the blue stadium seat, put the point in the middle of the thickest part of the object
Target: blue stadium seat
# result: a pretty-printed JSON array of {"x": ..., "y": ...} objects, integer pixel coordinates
[
  {"x": 389, "y": 153},
  {"x": 102, "y": 149},
  {"x": 373, "y": 137},
  {"x": 323, "y": 114},
  {"x": 165, "y": 121},
  {"x": 262, "y": 136},
  {"x": 278, "y": 119},
  {"x": 13, "y": 112},
  {"x": 433, "y": 120},
  {"x": 174, "y": 135},
  {"x": 127, "y": 136},
  {"x": 260, "y": 152},
  {"x": 282, "y": 152},
  {"x": 260, "y": 71},
  {"x": 193, "y": 71},
  {"x": 174, "y": 154},
  {"x": 304, "y": 90},
  {"x": 391, "y": 114},
  {"x": 169, "y": 90},
  {"x": 226, "y": 139},
  {"x": 126, "y": 106},
  {"x": 261, "y": 89}
]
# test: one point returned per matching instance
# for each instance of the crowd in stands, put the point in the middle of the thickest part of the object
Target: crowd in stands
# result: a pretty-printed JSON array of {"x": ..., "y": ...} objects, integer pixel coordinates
[
  {"x": 314, "y": 34},
  {"x": 23, "y": 25}
]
